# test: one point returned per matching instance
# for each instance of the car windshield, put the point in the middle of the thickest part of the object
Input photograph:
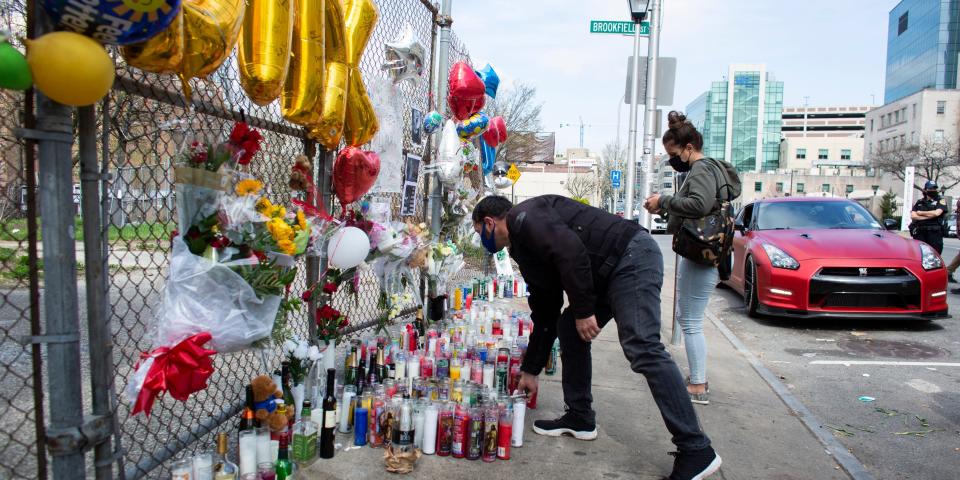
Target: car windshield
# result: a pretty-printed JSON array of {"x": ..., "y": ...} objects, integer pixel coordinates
[{"x": 814, "y": 215}]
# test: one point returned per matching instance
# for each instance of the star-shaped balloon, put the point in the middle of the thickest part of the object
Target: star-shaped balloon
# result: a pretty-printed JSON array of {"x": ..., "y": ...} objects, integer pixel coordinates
[{"x": 404, "y": 57}]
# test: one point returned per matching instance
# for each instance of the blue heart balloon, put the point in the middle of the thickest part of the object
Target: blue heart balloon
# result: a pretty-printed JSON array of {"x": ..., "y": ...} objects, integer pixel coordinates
[
  {"x": 488, "y": 156},
  {"x": 115, "y": 22},
  {"x": 490, "y": 80}
]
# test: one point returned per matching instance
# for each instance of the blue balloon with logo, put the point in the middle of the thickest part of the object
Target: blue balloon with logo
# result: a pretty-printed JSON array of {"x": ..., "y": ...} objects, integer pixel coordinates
[
  {"x": 490, "y": 80},
  {"x": 432, "y": 121},
  {"x": 113, "y": 22},
  {"x": 488, "y": 156}
]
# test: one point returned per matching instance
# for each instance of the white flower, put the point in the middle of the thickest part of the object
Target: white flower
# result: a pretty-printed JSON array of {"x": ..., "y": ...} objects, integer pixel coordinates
[
  {"x": 314, "y": 353},
  {"x": 301, "y": 352},
  {"x": 289, "y": 346}
]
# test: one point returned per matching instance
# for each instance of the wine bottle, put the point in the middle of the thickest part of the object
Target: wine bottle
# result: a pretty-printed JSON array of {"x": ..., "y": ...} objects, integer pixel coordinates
[
  {"x": 223, "y": 468},
  {"x": 247, "y": 419},
  {"x": 329, "y": 417}
]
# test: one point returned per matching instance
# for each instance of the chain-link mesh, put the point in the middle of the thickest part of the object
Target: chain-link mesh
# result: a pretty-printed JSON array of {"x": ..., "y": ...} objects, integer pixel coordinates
[{"x": 142, "y": 125}]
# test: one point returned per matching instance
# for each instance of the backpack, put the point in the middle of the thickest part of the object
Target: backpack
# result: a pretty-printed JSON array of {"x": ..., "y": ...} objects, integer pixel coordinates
[{"x": 707, "y": 240}]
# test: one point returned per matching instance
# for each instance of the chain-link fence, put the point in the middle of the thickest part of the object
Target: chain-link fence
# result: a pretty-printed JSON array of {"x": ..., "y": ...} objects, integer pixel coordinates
[{"x": 138, "y": 131}]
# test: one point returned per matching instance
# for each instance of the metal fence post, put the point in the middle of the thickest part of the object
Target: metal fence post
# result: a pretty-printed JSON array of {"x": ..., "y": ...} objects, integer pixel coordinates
[
  {"x": 54, "y": 137},
  {"x": 95, "y": 259}
]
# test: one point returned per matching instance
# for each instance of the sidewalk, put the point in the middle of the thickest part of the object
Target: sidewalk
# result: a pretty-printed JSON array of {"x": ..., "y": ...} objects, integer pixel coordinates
[{"x": 750, "y": 427}]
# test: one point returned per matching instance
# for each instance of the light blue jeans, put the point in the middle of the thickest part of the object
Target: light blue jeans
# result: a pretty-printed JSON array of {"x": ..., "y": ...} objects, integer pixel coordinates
[{"x": 695, "y": 283}]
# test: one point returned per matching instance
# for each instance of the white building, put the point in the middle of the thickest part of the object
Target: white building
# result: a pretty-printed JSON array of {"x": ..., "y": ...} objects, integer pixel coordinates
[
  {"x": 926, "y": 115},
  {"x": 823, "y": 136},
  {"x": 543, "y": 179}
]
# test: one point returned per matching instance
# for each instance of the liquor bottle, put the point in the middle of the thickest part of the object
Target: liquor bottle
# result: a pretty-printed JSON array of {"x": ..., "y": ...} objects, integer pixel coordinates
[
  {"x": 551, "y": 367},
  {"x": 381, "y": 367},
  {"x": 248, "y": 420},
  {"x": 361, "y": 375},
  {"x": 404, "y": 431},
  {"x": 223, "y": 468},
  {"x": 350, "y": 375},
  {"x": 284, "y": 467},
  {"x": 329, "y": 417},
  {"x": 418, "y": 323},
  {"x": 305, "y": 437}
]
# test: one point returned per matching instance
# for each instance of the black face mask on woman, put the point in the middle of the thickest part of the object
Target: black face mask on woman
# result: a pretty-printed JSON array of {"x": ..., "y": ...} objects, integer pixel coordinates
[{"x": 678, "y": 164}]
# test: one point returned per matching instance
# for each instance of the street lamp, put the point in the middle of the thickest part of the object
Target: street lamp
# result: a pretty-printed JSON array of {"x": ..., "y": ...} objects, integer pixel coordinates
[{"x": 638, "y": 9}]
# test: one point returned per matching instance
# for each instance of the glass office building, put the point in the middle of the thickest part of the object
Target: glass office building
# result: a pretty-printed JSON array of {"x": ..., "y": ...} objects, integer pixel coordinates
[
  {"x": 923, "y": 41},
  {"x": 741, "y": 119}
]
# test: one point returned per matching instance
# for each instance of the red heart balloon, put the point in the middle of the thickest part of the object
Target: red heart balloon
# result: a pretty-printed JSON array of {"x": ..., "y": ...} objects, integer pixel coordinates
[
  {"x": 354, "y": 172},
  {"x": 466, "y": 91},
  {"x": 496, "y": 132}
]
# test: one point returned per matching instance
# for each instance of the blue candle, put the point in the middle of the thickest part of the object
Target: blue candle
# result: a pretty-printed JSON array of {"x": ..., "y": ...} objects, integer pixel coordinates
[{"x": 360, "y": 426}]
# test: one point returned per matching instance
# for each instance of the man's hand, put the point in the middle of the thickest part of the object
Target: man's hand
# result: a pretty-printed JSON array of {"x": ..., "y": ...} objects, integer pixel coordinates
[
  {"x": 528, "y": 383},
  {"x": 588, "y": 328}
]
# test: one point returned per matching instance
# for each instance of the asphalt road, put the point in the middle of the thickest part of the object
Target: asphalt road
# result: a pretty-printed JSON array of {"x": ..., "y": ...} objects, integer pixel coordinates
[{"x": 909, "y": 427}]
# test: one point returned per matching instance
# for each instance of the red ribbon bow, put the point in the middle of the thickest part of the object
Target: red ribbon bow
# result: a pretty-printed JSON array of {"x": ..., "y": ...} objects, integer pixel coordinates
[{"x": 180, "y": 370}]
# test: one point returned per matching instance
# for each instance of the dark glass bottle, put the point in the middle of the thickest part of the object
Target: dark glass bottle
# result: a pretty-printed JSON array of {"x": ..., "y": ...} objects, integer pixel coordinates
[
  {"x": 329, "y": 417},
  {"x": 247, "y": 419}
]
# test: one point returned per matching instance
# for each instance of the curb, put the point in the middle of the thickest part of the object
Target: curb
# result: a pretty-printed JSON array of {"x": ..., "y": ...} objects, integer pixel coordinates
[{"x": 847, "y": 460}]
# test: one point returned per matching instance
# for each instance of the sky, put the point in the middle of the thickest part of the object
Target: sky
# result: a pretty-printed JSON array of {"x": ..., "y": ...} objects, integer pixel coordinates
[{"x": 832, "y": 51}]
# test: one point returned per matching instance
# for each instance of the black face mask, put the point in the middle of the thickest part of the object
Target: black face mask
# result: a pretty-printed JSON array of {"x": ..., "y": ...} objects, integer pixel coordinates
[
  {"x": 933, "y": 195},
  {"x": 679, "y": 165}
]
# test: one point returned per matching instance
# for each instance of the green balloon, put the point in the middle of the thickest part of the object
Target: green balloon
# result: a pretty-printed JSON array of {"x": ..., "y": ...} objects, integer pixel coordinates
[{"x": 14, "y": 71}]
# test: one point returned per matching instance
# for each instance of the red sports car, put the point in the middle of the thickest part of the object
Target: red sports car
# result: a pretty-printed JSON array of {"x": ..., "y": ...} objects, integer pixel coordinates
[{"x": 829, "y": 257}]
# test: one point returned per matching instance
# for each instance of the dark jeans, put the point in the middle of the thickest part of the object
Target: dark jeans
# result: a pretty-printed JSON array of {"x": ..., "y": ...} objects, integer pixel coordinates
[{"x": 633, "y": 301}]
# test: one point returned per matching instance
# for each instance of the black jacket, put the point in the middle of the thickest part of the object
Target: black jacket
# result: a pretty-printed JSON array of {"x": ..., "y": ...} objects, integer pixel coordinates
[{"x": 562, "y": 245}]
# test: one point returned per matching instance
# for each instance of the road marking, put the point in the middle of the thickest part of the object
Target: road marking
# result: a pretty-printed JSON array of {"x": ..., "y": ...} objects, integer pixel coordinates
[
  {"x": 848, "y": 363},
  {"x": 842, "y": 455},
  {"x": 924, "y": 386}
]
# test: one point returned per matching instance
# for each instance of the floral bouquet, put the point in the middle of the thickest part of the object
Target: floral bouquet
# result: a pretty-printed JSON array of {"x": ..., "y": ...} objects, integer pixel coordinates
[
  {"x": 444, "y": 260},
  {"x": 300, "y": 356},
  {"x": 330, "y": 321},
  {"x": 202, "y": 174}
]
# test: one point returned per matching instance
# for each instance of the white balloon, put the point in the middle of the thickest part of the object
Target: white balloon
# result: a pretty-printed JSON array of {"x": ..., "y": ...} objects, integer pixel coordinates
[
  {"x": 502, "y": 182},
  {"x": 348, "y": 247},
  {"x": 449, "y": 160}
]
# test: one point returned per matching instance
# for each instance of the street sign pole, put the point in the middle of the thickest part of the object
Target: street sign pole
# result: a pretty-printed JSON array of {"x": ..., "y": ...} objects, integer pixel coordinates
[
  {"x": 632, "y": 140},
  {"x": 650, "y": 117}
]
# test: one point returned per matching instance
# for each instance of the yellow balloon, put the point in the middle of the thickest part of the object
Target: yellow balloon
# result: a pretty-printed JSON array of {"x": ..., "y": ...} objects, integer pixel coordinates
[
  {"x": 302, "y": 96},
  {"x": 361, "y": 123},
  {"x": 330, "y": 128},
  {"x": 162, "y": 53},
  {"x": 361, "y": 18},
  {"x": 335, "y": 33},
  {"x": 70, "y": 68},
  {"x": 264, "y": 50}
]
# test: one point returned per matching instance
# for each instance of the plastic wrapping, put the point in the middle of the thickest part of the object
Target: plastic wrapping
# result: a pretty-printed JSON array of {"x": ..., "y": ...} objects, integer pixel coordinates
[{"x": 206, "y": 296}]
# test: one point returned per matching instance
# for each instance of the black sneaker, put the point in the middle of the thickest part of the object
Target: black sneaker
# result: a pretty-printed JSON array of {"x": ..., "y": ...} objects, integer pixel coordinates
[
  {"x": 695, "y": 465},
  {"x": 955, "y": 290},
  {"x": 566, "y": 425}
]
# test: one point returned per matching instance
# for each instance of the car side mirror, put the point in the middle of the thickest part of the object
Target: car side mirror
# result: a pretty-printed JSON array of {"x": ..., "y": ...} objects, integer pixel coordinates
[
  {"x": 890, "y": 224},
  {"x": 739, "y": 226}
]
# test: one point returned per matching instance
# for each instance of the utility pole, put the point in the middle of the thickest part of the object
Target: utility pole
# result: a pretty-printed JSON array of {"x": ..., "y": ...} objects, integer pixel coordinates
[
  {"x": 634, "y": 93},
  {"x": 443, "y": 65},
  {"x": 650, "y": 117}
]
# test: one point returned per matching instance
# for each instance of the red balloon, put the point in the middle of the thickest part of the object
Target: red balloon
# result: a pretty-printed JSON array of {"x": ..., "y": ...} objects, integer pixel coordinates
[
  {"x": 496, "y": 132},
  {"x": 466, "y": 93},
  {"x": 354, "y": 172}
]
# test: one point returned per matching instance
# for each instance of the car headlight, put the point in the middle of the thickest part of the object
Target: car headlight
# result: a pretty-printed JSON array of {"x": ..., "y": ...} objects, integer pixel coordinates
[
  {"x": 929, "y": 258},
  {"x": 779, "y": 258}
]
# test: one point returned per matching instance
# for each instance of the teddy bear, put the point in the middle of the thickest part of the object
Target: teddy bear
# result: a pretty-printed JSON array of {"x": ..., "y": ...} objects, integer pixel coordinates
[{"x": 265, "y": 395}]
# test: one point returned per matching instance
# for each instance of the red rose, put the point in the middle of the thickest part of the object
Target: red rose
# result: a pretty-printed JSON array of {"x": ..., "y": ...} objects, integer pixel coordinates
[
  {"x": 260, "y": 255},
  {"x": 305, "y": 296},
  {"x": 329, "y": 288},
  {"x": 239, "y": 131},
  {"x": 327, "y": 313}
]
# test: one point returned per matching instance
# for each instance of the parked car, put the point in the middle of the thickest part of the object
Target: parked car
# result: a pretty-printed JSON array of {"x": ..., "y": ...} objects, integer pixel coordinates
[
  {"x": 807, "y": 257},
  {"x": 658, "y": 225},
  {"x": 952, "y": 225}
]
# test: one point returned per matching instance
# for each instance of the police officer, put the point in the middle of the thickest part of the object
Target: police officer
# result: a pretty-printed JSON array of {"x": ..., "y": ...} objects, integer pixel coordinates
[{"x": 927, "y": 216}]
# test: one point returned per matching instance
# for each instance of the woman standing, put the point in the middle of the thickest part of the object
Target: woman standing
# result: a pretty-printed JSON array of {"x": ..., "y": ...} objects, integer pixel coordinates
[{"x": 707, "y": 181}]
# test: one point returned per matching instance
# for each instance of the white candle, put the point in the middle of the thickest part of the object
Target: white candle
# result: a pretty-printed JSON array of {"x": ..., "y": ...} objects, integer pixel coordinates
[
  {"x": 413, "y": 366},
  {"x": 488, "y": 374},
  {"x": 465, "y": 370},
  {"x": 430, "y": 430},
  {"x": 248, "y": 452},
  {"x": 345, "y": 412},
  {"x": 400, "y": 371},
  {"x": 263, "y": 445},
  {"x": 432, "y": 346},
  {"x": 203, "y": 467},
  {"x": 519, "y": 412}
]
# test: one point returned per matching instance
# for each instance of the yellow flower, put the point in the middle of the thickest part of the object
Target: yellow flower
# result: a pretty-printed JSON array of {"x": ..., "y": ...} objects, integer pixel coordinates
[
  {"x": 280, "y": 230},
  {"x": 301, "y": 220},
  {"x": 249, "y": 186},
  {"x": 287, "y": 246},
  {"x": 264, "y": 206}
]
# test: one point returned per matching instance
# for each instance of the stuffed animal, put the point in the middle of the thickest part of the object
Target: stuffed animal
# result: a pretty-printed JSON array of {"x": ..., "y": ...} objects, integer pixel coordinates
[{"x": 265, "y": 395}]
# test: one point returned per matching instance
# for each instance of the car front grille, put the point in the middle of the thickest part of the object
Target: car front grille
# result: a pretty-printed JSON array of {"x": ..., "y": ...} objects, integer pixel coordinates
[{"x": 857, "y": 287}]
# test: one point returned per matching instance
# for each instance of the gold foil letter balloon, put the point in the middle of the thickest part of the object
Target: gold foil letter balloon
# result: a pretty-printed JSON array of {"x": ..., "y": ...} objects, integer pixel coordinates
[
  {"x": 361, "y": 121},
  {"x": 302, "y": 97},
  {"x": 330, "y": 128},
  {"x": 162, "y": 53},
  {"x": 264, "y": 51}
]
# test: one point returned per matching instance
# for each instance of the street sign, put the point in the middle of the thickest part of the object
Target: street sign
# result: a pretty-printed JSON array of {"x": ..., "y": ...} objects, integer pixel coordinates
[
  {"x": 666, "y": 77},
  {"x": 615, "y": 178},
  {"x": 513, "y": 174},
  {"x": 618, "y": 27}
]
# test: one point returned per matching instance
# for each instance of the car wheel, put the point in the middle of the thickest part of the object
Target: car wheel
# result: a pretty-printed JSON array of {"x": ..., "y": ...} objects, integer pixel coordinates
[{"x": 750, "y": 299}]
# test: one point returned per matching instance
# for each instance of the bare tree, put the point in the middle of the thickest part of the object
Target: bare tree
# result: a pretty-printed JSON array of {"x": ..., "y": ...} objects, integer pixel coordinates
[
  {"x": 934, "y": 159},
  {"x": 612, "y": 157},
  {"x": 521, "y": 113},
  {"x": 580, "y": 185}
]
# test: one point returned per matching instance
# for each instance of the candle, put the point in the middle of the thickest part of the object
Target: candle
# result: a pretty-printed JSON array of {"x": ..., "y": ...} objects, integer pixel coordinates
[
  {"x": 203, "y": 466},
  {"x": 488, "y": 371},
  {"x": 181, "y": 470},
  {"x": 263, "y": 445},
  {"x": 519, "y": 412},
  {"x": 413, "y": 366},
  {"x": 430, "y": 430},
  {"x": 248, "y": 452},
  {"x": 400, "y": 371},
  {"x": 419, "y": 418},
  {"x": 465, "y": 370},
  {"x": 360, "y": 429},
  {"x": 347, "y": 408}
]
